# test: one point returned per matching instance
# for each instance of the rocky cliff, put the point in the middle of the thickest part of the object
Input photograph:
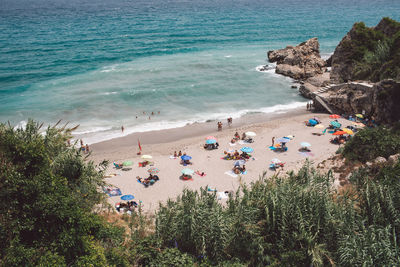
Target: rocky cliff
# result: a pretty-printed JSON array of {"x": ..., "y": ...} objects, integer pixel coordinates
[
  {"x": 368, "y": 53},
  {"x": 299, "y": 62},
  {"x": 379, "y": 100}
]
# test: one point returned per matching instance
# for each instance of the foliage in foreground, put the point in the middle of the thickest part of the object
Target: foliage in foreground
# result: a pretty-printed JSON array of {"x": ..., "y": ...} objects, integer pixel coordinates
[
  {"x": 370, "y": 143},
  {"x": 48, "y": 192}
]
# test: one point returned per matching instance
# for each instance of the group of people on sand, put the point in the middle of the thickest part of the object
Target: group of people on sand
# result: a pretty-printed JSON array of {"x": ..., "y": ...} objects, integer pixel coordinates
[
  {"x": 228, "y": 120},
  {"x": 236, "y": 155},
  {"x": 149, "y": 180},
  {"x": 237, "y": 137},
  {"x": 238, "y": 170},
  {"x": 177, "y": 154},
  {"x": 126, "y": 207}
]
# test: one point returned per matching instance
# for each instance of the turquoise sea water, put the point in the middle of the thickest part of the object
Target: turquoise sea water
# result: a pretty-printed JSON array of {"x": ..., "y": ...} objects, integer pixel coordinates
[{"x": 102, "y": 63}]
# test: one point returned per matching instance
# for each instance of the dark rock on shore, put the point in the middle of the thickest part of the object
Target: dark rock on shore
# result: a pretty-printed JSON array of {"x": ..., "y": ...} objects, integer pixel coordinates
[
  {"x": 379, "y": 101},
  {"x": 299, "y": 62}
]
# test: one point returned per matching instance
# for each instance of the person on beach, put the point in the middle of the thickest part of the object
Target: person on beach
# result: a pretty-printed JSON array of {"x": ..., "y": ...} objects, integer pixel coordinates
[
  {"x": 122, "y": 128},
  {"x": 273, "y": 141},
  {"x": 152, "y": 113},
  {"x": 149, "y": 118},
  {"x": 175, "y": 155},
  {"x": 159, "y": 113},
  {"x": 237, "y": 136},
  {"x": 229, "y": 121},
  {"x": 87, "y": 148},
  {"x": 180, "y": 153},
  {"x": 308, "y": 106},
  {"x": 219, "y": 124},
  {"x": 81, "y": 143},
  {"x": 243, "y": 136}
]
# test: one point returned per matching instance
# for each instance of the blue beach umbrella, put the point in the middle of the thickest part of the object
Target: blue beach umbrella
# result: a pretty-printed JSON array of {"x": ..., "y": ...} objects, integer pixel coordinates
[
  {"x": 127, "y": 197},
  {"x": 282, "y": 140},
  {"x": 313, "y": 122},
  {"x": 210, "y": 141},
  {"x": 186, "y": 157},
  {"x": 336, "y": 124},
  {"x": 247, "y": 149}
]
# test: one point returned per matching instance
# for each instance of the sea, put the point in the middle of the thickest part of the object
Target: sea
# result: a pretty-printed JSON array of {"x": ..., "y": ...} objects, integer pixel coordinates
[{"x": 103, "y": 64}]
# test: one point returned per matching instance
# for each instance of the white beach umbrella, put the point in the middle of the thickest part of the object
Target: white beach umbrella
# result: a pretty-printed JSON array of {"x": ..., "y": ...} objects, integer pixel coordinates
[
  {"x": 250, "y": 134},
  {"x": 146, "y": 157}
]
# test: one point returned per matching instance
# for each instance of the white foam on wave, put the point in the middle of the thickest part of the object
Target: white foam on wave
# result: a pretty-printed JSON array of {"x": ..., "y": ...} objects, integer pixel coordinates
[
  {"x": 228, "y": 56},
  {"x": 109, "y": 93},
  {"x": 98, "y": 134},
  {"x": 269, "y": 68},
  {"x": 20, "y": 125}
]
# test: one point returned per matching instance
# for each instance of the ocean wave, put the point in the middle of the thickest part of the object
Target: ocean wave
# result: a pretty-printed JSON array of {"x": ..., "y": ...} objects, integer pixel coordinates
[{"x": 266, "y": 68}]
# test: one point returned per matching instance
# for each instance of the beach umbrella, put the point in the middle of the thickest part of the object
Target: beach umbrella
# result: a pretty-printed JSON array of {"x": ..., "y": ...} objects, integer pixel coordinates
[
  {"x": 289, "y": 137},
  {"x": 186, "y": 157},
  {"x": 361, "y": 116},
  {"x": 348, "y": 131},
  {"x": 146, "y": 157},
  {"x": 275, "y": 161},
  {"x": 282, "y": 140},
  {"x": 240, "y": 162},
  {"x": 210, "y": 137},
  {"x": 247, "y": 149},
  {"x": 153, "y": 170},
  {"x": 187, "y": 171},
  {"x": 312, "y": 122},
  {"x": 127, "y": 197},
  {"x": 320, "y": 126},
  {"x": 305, "y": 144},
  {"x": 210, "y": 141},
  {"x": 127, "y": 163},
  {"x": 339, "y": 133},
  {"x": 336, "y": 124},
  {"x": 250, "y": 134},
  {"x": 334, "y": 116}
]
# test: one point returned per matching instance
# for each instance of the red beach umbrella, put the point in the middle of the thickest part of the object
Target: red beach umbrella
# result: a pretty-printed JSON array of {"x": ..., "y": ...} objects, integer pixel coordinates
[
  {"x": 334, "y": 116},
  {"x": 339, "y": 133}
]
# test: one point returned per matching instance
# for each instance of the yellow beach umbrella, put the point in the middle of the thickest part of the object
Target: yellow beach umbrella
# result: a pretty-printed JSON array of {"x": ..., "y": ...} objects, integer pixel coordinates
[
  {"x": 147, "y": 157},
  {"x": 361, "y": 116},
  {"x": 320, "y": 126},
  {"x": 347, "y": 130}
]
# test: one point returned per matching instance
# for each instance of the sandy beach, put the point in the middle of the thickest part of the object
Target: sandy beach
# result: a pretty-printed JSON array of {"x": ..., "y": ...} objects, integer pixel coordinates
[{"x": 190, "y": 140}]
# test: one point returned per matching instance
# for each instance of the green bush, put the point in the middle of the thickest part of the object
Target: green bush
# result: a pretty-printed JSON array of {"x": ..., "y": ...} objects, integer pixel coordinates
[
  {"x": 370, "y": 143},
  {"x": 48, "y": 192}
]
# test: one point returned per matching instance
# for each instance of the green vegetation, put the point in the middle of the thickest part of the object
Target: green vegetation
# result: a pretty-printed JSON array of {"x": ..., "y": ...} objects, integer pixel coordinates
[
  {"x": 370, "y": 143},
  {"x": 375, "y": 52},
  {"x": 50, "y": 193}
]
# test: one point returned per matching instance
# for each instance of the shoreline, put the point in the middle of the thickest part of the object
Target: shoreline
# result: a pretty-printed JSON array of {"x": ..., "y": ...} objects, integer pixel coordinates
[{"x": 194, "y": 130}]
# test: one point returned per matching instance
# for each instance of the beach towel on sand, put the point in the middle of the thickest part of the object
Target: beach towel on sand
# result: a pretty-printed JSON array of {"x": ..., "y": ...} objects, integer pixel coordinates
[
  {"x": 172, "y": 157},
  {"x": 112, "y": 192},
  {"x": 232, "y": 144},
  {"x": 231, "y": 173}
]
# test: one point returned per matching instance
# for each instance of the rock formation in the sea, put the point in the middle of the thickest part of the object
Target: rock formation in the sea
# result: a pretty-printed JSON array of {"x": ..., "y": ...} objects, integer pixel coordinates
[
  {"x": 368, "y": 53},
  {"x": 299, "y": 62},
  {"x": 380, "y": 100}
]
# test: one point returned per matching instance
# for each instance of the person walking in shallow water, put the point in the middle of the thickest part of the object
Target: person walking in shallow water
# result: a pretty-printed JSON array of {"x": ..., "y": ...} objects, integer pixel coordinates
[
  {"x": 219, "y": 124},
  {"x": 122, "y": 128}
]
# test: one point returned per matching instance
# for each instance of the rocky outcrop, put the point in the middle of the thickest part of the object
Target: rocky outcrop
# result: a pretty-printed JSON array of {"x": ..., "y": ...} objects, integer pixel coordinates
[
  {"x": 341, "y": 60},
  {"x": 348, "y": 61},
  {"x": 378, "y": 101},
  {"x": 313, "y": 84},
  {"x": 299, "y": 62}
]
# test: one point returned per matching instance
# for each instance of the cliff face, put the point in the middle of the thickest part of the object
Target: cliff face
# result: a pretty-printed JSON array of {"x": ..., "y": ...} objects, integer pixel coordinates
[
  {"x": 368, "y": 53},
  {"x": 378, "y": 100},
  {"x": 299, "y": 62}
]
